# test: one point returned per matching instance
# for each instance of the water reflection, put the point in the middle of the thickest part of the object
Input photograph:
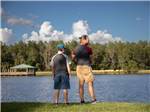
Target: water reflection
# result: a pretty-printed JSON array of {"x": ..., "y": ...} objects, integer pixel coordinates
[{"x": 133, "y": 88}]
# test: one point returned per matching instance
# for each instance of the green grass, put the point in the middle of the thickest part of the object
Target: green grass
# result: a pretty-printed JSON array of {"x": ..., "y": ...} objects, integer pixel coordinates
[{"x": 75, "y": 107}]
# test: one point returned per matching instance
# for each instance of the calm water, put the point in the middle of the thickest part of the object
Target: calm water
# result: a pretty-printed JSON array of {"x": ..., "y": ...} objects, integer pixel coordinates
[{"x": 133, "y": 88}]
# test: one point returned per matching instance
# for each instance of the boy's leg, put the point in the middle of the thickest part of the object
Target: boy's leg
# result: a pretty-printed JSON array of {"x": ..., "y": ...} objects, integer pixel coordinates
[
  {"x": 65, "y": 96},
  {"x": 91, "y": 90},
  {"x": 56, "y": 96},
  {"x": 81, "y": 90}
]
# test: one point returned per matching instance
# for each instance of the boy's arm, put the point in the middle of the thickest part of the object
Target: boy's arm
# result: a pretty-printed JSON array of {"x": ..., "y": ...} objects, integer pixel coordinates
[
  {"x": 68, "y": 65},
  {"x": 53, "y": 73}
]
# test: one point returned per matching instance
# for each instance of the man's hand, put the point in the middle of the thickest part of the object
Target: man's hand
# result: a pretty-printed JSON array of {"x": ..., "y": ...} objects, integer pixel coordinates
[
  {"x": 69, "y": 76},
  {"x": 72, "y": 55},
  {"x": 53, "y": 76},
  {"x": 53, "y": 73}
]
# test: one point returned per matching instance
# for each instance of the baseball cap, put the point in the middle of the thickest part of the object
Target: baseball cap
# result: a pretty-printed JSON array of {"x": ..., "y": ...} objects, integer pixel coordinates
[{"x": 60, "y": 46}]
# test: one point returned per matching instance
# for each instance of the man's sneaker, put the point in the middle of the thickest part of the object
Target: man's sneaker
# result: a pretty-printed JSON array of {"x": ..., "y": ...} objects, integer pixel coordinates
[
  {"x": 94, "y": 102},
  {"x": 66, "y": 103},
  {"x": 81, "y": 102},
  {"x": 56, "y": 104}
]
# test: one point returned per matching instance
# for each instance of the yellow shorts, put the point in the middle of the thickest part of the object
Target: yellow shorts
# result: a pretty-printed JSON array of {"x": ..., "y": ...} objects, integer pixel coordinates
[{"x": 84, "y": 73}]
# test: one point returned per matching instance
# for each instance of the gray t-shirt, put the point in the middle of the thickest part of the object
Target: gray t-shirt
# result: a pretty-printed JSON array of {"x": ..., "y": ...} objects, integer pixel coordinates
[
  {"x": 82, "y": 55},
  {"x": 59, "y": 63}
]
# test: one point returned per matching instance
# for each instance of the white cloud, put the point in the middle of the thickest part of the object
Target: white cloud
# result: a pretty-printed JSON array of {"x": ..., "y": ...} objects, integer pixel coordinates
[
  {"x": 5, "y": 35},
  {"x": 80, "y": 27},
  {"x": 103, "y": 37},
  {"x": 13, "y": 20},
  {"x": 18, "y": 21},
  {"x": 118, "y": 39},
  {"x": 47, "y": 33},
  {"x": 46, "y": 29}
]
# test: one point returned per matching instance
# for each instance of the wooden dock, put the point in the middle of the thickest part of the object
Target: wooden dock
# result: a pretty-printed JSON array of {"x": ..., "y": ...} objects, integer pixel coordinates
[{"x": 19, "y": 70}]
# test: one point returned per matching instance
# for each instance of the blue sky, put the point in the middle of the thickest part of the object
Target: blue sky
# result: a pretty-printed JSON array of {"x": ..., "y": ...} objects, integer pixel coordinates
[{"x": 128, "y": 20}]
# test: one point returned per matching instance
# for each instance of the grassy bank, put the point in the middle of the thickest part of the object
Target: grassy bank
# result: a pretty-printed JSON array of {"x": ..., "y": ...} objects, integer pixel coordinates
[
  {"x": 98, "y": 72},
  {"x": 74, "y": 107}
]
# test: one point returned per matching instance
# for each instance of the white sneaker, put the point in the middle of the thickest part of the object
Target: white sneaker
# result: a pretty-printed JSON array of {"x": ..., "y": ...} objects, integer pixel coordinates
[{"x": 94, "y": 102}]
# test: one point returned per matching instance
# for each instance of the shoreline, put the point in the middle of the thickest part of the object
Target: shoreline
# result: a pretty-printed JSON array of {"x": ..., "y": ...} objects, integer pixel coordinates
[
  {"x": 96, "y": 72},
  {"x": 100, "y": 72}
]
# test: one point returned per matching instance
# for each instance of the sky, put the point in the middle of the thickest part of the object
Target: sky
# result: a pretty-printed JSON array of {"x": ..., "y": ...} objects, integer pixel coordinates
[{"x": 49, "y": 20}]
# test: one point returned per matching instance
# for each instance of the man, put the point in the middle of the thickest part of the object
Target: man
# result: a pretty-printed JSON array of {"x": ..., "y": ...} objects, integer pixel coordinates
[
  {"x": 61, "y": 74},
  {"x": 82, "y": 57}
]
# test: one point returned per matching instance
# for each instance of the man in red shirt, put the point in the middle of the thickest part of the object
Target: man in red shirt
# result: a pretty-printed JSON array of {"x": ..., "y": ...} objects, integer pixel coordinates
[{"x": 82, "y": 57}]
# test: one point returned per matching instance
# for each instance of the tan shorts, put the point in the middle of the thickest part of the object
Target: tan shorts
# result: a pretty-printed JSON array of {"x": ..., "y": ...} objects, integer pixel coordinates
[{"x": 84, "y": 73}]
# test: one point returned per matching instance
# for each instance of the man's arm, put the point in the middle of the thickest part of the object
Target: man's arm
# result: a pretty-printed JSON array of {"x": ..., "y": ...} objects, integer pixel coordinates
[
  {"x": 69, "y": 71},
  {"x": 91, "y": 54},
  {"x": 73, "y": 56}
]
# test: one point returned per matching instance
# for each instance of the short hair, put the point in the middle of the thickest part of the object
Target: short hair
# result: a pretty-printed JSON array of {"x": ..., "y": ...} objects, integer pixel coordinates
[{"x": 83, "y": 37}]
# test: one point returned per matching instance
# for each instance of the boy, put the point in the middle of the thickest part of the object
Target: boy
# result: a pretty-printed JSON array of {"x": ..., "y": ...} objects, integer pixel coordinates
[{"x": 61, "y": 74}]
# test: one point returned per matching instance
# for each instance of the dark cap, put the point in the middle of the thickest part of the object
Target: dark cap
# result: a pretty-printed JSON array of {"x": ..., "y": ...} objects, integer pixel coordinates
[
  {"x": 60, "y": 46},
  {"x": 83, "y": 36}
]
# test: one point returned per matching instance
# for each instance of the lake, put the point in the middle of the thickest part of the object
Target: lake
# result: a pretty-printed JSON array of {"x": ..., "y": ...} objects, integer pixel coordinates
[{"x": 108, "y": 88}]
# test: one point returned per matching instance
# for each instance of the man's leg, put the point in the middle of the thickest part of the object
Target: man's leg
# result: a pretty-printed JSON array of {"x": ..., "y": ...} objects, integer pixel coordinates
[
  {"x": 81, "y": 90},
  {"x": 56, "y": 96},
  {"x": 91, "y": 90},
  {"x": 65, "y": 96}
]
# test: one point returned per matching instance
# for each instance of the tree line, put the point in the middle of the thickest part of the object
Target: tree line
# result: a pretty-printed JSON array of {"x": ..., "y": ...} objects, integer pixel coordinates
[{"x": 130, "y": 56}]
